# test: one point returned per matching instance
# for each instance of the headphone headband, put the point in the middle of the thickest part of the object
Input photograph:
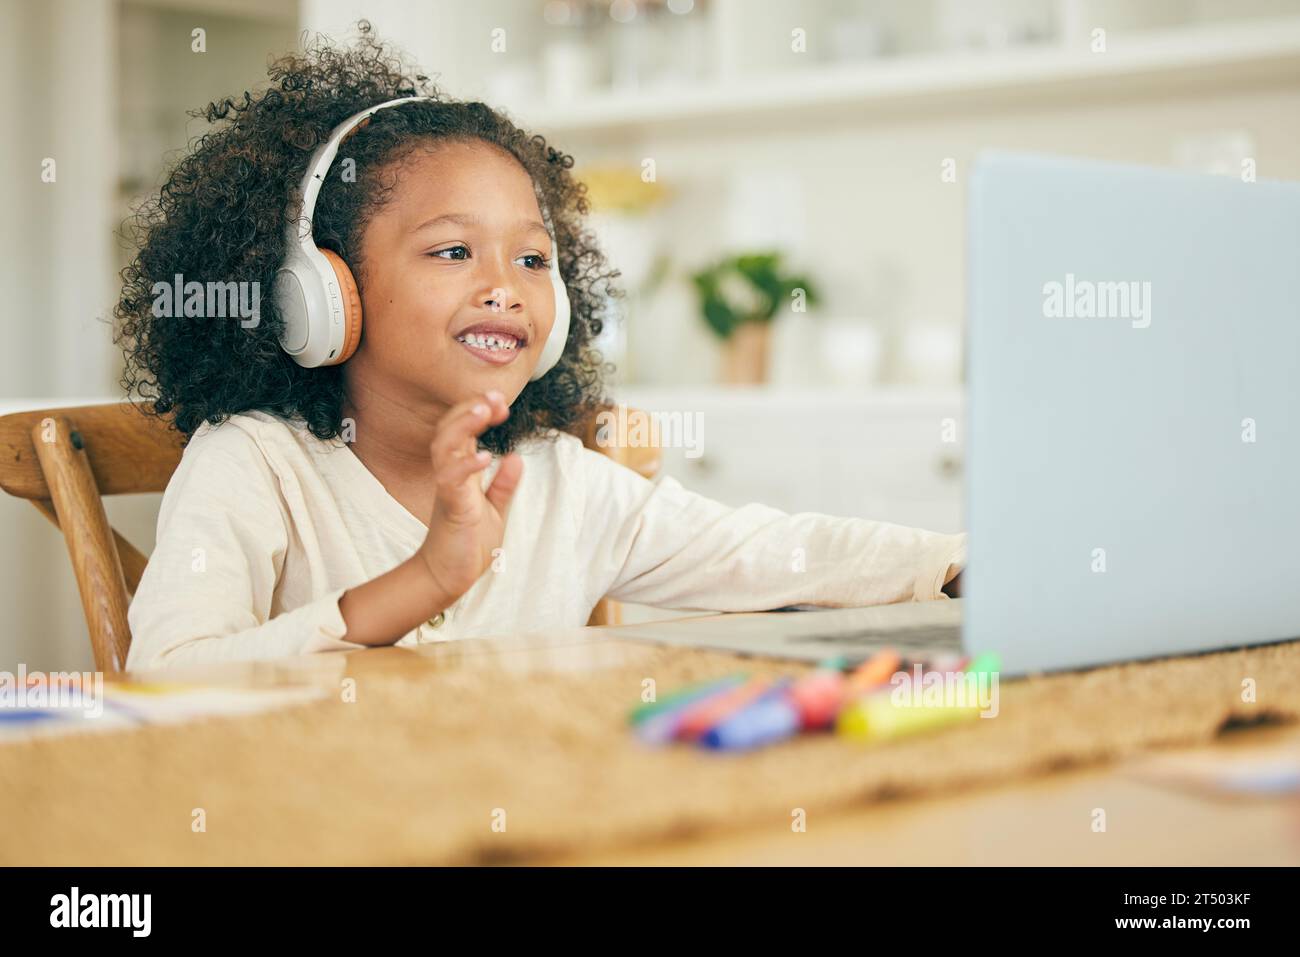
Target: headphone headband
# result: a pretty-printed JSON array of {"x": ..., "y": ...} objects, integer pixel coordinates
[{"x": 323, "y": 158}]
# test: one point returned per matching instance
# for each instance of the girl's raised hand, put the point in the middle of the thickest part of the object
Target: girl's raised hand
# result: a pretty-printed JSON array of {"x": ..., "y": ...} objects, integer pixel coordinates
[{"x": 468, "y": 523}]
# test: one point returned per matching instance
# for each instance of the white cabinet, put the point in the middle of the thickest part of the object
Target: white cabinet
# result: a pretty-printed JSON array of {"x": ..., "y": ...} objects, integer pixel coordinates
[{"x": 892, "y": 456}]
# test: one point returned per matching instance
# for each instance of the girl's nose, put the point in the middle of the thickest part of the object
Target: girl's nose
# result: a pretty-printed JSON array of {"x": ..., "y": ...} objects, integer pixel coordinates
[
  {"x": 500, "y": 289},
  {"x": 501, "y": 299}
]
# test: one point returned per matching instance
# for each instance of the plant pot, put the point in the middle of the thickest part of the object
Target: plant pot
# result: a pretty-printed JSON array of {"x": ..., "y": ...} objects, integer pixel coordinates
[{"x": 744, "y": 355}]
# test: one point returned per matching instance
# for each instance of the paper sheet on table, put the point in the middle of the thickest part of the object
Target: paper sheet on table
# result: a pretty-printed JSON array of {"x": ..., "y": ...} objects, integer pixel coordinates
[
  {"x": 125, "y": 706},
  {"x": 1258, "y": 772}
]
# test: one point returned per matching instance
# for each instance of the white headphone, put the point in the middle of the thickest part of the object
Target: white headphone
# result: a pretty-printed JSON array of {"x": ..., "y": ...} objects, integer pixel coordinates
[{"x": 316, "y": 293}]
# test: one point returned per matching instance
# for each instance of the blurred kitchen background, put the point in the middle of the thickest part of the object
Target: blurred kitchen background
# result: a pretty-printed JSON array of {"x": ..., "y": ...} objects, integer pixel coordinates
[{"x": 735, "y": 150}]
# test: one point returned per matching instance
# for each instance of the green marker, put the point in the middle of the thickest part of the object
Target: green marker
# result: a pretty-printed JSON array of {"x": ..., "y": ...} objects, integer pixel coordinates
[
  {"x": 985, "y": 664},
  {"x": 684, "y": 696}
]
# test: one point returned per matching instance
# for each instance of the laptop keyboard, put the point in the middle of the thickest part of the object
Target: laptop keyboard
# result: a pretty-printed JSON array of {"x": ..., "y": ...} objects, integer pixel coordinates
[{"x": 903, "y": 639}]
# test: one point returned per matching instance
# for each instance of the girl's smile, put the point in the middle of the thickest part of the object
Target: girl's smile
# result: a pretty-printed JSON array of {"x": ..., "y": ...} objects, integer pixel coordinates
[
  {"x": 498, "y": 341},
  {"x": 497, "y": 350}
]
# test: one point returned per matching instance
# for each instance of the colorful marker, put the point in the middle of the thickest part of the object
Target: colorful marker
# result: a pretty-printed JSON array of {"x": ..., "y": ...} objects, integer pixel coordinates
[
  {"x": 874, "y": 672},
  {"x": 818, "y": 697},
  {"x": 986, "y": 664},
  {"x": 25, "y": 715},
  {"x": 667, "y": 724},
  {"x": 661, "y": 727},
  {"x": 686, "y": 695},
  {"x": 876, "y": 717},
  {"x": 772, "y": 717},
  {"x": 703, "y": 715}
]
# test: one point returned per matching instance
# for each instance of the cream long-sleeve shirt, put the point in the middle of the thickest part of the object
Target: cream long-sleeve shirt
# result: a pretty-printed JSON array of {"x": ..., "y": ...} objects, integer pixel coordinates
[{"x": 263, "y": 527}]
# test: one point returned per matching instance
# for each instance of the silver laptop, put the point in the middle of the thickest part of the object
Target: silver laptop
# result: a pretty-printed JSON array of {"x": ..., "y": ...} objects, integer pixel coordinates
[{"x": 1133, "y": 367}]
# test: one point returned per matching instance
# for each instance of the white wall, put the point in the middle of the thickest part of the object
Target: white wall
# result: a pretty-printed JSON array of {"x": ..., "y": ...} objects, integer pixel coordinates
[
  {"x": 58, "y": 259},
  {"x": 883, "y": 233},
  {"x": 441, "y": 37}
]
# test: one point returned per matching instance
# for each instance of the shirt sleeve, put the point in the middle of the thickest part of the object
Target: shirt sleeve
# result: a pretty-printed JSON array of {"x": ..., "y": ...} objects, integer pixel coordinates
[
  {"x": 656, "y": 543},
  {"x": 206, "y": 593}
]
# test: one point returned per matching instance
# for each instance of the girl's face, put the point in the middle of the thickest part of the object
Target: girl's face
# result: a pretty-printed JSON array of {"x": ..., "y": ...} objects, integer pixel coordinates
[{"x": 459, "y": 250}]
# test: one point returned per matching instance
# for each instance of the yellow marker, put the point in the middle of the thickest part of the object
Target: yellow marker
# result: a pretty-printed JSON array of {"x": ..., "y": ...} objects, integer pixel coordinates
[
  {"x": 149, "y": 687},
  {"x": 877, "y": 718}
]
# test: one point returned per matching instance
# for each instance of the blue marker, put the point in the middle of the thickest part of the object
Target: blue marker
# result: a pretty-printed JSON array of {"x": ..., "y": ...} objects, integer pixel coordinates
[
  {"x": 773, "y": 717},
  {"x": 15, "y": 716}
]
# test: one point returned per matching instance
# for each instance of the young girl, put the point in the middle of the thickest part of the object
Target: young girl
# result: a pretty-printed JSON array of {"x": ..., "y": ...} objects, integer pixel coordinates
[{"x": 427, "y": 487}]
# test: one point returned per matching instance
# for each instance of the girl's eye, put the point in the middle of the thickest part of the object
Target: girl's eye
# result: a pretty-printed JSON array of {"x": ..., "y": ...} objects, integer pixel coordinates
[
  {"x": 449, "y": 249},
  {"x": 541, "y": 262}
]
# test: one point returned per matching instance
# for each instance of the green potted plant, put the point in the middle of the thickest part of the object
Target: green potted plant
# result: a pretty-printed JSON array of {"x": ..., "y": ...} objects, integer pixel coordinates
[{"x": 739, "y": 297}]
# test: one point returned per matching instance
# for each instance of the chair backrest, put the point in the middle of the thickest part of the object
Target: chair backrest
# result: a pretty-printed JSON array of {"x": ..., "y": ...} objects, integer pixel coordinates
[{"x": 65, "y": 460}]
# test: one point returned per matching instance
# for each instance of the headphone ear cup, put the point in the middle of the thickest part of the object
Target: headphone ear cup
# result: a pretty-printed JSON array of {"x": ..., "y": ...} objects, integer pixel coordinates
[
  {"x": 553, "y": 348},
  {"x": 563, "y": 310},
  {"x": 351, "y": 306}
]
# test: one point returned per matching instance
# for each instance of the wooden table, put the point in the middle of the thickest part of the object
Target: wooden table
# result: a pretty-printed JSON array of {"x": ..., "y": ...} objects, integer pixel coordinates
[{"x": 1040, "y": 821}]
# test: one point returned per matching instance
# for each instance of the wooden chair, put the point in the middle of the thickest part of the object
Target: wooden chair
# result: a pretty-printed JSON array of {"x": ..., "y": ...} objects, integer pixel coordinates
[
  {"x": 65, "y": 460},
  {"x": 642, "y": 459}
]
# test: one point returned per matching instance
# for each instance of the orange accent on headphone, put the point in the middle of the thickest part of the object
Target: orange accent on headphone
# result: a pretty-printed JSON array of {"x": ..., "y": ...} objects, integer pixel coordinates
[
  {"x": 347, "y": 286},
  {"x": 351, "y": 306}
]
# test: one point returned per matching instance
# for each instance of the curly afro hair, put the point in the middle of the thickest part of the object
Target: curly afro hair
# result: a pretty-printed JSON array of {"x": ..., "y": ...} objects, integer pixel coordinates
[{"x": 222, "y": 214}]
